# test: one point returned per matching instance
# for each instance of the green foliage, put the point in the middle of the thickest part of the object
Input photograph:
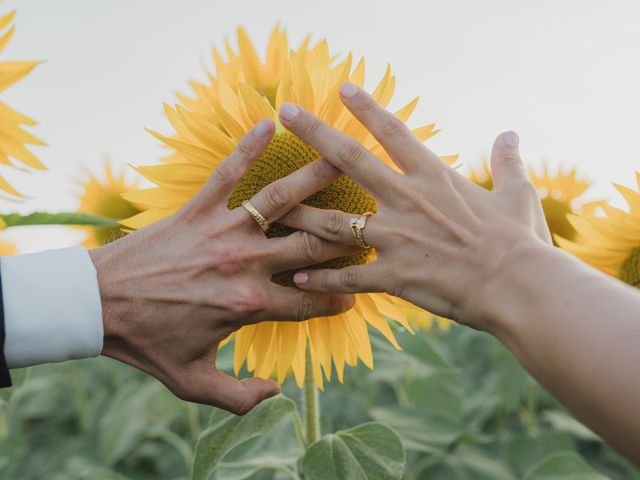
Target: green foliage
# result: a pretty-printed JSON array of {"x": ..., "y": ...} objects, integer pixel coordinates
[
  {"x": 451, "y": 405},
  {"x": 227, "y": 432},
  {"x": 562, "y": 466},
  {"x": 370, "y": 451}
]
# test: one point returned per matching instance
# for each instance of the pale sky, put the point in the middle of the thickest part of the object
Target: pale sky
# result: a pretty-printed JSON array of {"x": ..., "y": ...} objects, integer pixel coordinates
[{"x": 564, "y": 74}]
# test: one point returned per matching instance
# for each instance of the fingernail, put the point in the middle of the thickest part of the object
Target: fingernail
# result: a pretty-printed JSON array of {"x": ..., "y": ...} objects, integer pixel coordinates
[
  {"x": 348, "y": 90},
  {"x": 289, "y": 111},
  {"x": 301, "y": 278},
  {"x": 510, "y": 139},
  {"x": 262, "y": 128}
]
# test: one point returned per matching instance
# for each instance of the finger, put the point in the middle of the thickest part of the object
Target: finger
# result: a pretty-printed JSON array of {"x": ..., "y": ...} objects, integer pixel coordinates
[
  {"x": 404, "y": 148},
  {"x": 341, "y": 150},
  {"x": 506, "y": 164},
  {"x": 212, "y": 387},
  {"x": 229, "y": 172},
  {"x": 293, "y": 305},
  {"x": 277, "y": 198},
  {"x": 361, "y": 278},
  {"x": 301, "y": 249},
  {"x": 331, "y": 225}
]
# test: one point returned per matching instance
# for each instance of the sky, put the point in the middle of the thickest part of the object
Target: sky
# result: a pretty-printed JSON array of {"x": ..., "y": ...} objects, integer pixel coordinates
[{"x": 564, "y": 74}]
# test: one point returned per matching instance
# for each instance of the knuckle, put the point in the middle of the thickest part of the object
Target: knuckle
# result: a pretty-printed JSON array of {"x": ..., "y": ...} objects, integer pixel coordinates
[
  {"x": 323, "y": 170},
  {"x": 333, "y": 223},
  {"x": 294, "y": 215},
  {"x": 228, "y": 260},
  {"x": 225, "y": 172},
  {"x": 246, "y": 302},
  {"x": 350, "y": 278},
  {"x": 310, "y": 246},
  {"x": 513, "y": 158},
  {"x": 393, "y": 127},
  {"x": 245, "y": 150},
  {"x": 305, "y": 307},
  {"x": 350, "y": 153},
  {"x": 311, "y": 127},
  {"x": 277, "y": 196}
]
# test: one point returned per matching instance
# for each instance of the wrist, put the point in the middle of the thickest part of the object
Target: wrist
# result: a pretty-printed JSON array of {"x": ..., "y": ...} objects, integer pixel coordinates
[
  {"x": 510, "y": 286},
  {"x": 113, "y": 264}
]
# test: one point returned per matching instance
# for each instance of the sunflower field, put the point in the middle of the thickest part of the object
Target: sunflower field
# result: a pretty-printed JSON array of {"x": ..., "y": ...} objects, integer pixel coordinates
[
  {"x": 452, "y": 404},
  {"x": 384, "y": 391}
]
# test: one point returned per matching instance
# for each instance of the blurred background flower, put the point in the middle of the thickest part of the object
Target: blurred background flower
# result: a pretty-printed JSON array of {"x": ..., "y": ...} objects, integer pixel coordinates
[
  {"x": 609, "y": 239},
  {"x": 102, "y": 195},
  {"x": 560, "y": 194},
  {"x": 13, "y": 137}
]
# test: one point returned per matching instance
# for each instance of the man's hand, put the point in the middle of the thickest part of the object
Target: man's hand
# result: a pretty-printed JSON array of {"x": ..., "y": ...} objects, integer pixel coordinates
[{"x": 173, "y": 291}]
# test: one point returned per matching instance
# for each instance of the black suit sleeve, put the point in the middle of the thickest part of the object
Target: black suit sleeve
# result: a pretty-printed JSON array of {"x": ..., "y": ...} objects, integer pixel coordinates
[{"x": 5, "y": 377}]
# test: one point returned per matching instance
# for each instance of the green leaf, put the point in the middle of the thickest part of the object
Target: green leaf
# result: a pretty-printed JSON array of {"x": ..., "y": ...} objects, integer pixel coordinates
[
  {"x": 419, "y": 429},
  {"x": 369, "y": 451},
  {"x": 465, "y": 463},
  {"x": 69, "y": 218},
  {"x": 563, "y": 466},
  {"x": 280, "y": 450},
  {"x": 227, "y": 431},
  {"x": 522, "y": 450},
  {"x": 135, "y": 413}
]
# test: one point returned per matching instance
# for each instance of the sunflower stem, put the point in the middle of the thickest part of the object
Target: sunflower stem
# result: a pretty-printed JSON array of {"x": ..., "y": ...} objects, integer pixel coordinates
[
  {"x": 310, "y": 404},
  {"x": 65, "y": 218}
]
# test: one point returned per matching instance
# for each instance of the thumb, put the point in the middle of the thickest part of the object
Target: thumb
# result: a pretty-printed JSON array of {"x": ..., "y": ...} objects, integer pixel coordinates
[
  {"x": 229, "y": 393},
  {"x": 506, "y": 164}
]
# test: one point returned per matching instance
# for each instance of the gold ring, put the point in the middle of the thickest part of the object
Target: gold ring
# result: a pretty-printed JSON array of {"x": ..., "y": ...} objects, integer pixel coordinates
[
  {"x": 257, "y": 216},
  {"x": 357, "y": 225}
]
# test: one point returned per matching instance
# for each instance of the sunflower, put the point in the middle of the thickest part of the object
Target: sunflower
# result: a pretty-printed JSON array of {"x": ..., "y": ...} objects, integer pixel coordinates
[
  {"x": 610, "y": 242},
  {"x": 104, "y": 198},
  {"x": 13, "y": 137},
  {"x": 559, "y": 194},
  {"x": 207, "y": 128}
]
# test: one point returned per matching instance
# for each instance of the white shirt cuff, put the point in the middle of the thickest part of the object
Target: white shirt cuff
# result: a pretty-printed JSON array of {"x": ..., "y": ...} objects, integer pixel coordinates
[{"x": 52, "y": 307}]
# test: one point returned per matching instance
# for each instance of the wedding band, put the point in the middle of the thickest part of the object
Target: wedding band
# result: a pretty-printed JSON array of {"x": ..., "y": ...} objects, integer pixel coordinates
[
  {"x": 357, "y": 225},
  {"x": 257, "y": 216}
]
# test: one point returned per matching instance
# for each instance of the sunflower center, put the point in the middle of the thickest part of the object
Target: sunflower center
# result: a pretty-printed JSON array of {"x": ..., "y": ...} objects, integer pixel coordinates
[
  {"x": 631, "y": 269},
  {"x": 285, "y": 154}
]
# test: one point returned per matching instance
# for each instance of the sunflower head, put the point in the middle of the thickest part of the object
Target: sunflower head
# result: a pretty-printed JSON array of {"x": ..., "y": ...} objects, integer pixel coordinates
[
  {"x": 104, "y": 197},
  {"x": 609, "y": 241},
  {"x": 208, "y": 125},
  {"x": 285, "y": 154}
]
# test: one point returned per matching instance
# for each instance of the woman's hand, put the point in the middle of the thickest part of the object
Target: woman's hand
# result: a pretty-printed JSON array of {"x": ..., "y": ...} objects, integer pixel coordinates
[
  {"x": 173, "y": 291},
  {"x": 484, "y": 259},
  {"x": 439, "y": 238}
]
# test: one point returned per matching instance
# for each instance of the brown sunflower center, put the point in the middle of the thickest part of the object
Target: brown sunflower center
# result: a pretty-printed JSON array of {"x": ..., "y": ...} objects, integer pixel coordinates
[
  {"x": 555, "y": 212},
  {"x": 631, "y": 269},
  {"x": 285, "y": 154}
]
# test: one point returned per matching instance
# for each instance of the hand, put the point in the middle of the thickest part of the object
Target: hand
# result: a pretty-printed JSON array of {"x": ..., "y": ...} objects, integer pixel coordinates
[
  {"x": 439, "y": 238},
  {"x": 173, "y": 291}
]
